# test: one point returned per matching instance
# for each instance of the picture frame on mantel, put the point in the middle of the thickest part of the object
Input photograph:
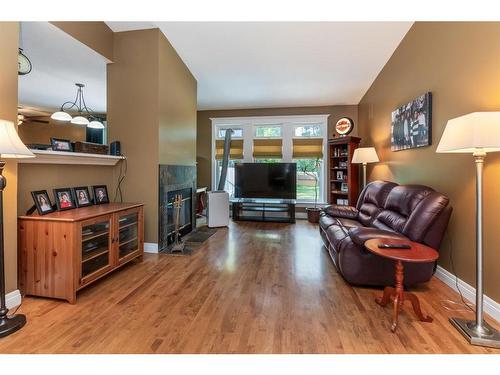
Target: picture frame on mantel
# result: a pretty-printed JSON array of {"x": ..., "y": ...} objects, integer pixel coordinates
[{"x": 411, "y": 124}]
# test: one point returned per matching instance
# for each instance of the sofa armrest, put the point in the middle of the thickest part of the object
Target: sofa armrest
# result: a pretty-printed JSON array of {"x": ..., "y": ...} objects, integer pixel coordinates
[
  {"x": 346, "y": 212},
  {"x": 360, "y": 235}
]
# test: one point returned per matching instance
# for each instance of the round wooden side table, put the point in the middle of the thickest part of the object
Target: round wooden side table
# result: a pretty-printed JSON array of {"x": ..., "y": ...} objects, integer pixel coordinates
[{"x": 417, "y": 254}]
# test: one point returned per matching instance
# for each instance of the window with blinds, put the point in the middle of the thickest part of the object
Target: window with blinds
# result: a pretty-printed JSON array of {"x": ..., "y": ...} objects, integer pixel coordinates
[
  {"x": 275, "y": 139},
  {"x": 235, "y": 151},
  {"x": 268, "y": 148},
  {"x": 307, "y": 148}
]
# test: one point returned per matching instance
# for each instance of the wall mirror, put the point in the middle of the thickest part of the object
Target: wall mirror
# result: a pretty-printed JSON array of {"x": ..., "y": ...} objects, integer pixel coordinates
[{"x": 58, "y": 62}]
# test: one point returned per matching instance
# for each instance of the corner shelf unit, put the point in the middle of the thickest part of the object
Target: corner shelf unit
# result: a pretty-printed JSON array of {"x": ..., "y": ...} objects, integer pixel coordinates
[{"x": 343, "y": 176}]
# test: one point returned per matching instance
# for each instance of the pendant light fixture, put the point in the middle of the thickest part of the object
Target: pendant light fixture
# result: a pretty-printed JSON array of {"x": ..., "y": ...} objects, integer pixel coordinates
[{"x": 85, "y": 115}]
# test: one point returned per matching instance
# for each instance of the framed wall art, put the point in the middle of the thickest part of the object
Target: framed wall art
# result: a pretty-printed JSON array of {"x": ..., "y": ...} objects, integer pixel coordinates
[{"x": 411, "y": 125}]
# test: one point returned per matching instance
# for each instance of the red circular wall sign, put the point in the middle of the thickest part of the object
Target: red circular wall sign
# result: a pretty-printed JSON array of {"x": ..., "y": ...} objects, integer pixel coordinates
[{"x": 344, "y": 126}]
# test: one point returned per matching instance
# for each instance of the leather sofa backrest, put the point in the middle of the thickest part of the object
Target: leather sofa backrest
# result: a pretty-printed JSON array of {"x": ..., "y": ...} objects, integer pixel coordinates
[
  {"x": 425, "y": 215},
  {"x": 372, "y": 200},
  {"x": 411, "y": 210}
]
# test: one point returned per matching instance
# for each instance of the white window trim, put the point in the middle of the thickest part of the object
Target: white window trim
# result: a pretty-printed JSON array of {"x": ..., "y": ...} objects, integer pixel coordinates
[
  {"x": 226, "y": 127},
  {"x": 288, "y": 124},
  {"x": 256, "y": 126}
]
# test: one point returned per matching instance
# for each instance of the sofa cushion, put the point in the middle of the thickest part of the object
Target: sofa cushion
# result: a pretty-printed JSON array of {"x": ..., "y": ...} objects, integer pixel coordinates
[
  {"x": 400, "y": 203},
  {"x": 336, "y": 234},
  {"x": 372, "y": 200},
  {"x": 425, "y": 215},
  {"x": 326, "y": 221},
  {"x": 349, "y": 223},
  {"x": 362, "y": 234},
  {"x": 341, "y": 211},
  {"x": 367, "y": 213}
]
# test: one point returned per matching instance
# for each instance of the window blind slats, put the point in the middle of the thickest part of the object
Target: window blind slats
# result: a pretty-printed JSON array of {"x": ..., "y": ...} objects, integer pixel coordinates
[
  {"x": 268, "y": 148},
  {"x": 235, "y": 151},
  {"x": 307, "y": 148}
]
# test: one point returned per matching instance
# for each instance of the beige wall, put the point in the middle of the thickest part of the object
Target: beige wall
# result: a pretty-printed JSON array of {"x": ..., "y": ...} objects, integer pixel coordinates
[
  {"x": 177, "y": 108},
  {"x": 95, "y": 34},
  {"x": 204, "y": 126},
  {"x": 152, "y": 112},
  {"x": 9, "y": 32},
  {"x": 459, "y": 64},
  {"x": 34, "y": 177},
  {"x": 132, "y": 98},
  {"x": 35, "y": 132}
]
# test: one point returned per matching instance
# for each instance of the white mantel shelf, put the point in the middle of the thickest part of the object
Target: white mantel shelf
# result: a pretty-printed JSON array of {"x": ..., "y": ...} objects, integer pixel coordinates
[{"x": 75, "y": 158}]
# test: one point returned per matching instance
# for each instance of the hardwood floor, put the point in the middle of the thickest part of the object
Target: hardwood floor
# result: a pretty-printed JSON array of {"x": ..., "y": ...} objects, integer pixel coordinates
[{"x": 253, "y": 288}]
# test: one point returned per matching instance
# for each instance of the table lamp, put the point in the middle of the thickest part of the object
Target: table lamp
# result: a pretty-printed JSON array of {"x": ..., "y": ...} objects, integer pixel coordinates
[
  {"x": 10, "y": 147},
  {"x": 364, "y": 155},
  {"x": 476, "y": 133}
]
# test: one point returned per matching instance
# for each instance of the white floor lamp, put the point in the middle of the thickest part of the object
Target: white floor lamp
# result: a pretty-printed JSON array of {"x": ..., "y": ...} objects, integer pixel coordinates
[
  {"x": 364, "y": 155},
  {"x": 10, "y": 147},
  {"x": 476, "y": 133}
]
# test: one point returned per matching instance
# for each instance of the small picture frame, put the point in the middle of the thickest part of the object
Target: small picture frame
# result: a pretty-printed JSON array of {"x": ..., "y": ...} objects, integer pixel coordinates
[
  {"x": 42, "y": 202},
  {"x": 344, "y": 187},
  {"x": 82, "y": 196},
  {"x": 340, "y": 175},
  {"x": 64, "y": 199},
  {"x": 100, "y": 194},
  {"x": 61, "y": 145}
]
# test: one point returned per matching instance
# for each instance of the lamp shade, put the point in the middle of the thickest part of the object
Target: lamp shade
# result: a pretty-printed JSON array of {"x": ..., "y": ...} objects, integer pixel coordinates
[
  {"x": 61, "y": 116},
  {"x": 80, "y": 120},
  {"x": 477, "y": 131},
  {"x": 11, "y": 145},
  {"x": 94, "y": 124},
  {"x": 365, "y": 155}
]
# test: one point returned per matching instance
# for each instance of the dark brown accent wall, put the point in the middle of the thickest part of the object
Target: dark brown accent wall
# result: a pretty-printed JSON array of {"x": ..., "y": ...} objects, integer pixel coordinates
[
  {"x": 459, "y": 64},
  {"x": 204, "y": 128}
]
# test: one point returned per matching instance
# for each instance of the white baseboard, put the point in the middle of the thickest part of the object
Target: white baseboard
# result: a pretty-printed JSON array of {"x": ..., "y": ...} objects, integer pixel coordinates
[
  {"x": 491, "y": 307},
  {"x": 151, "y": 247},
  {"x": 13, "y": 299}
]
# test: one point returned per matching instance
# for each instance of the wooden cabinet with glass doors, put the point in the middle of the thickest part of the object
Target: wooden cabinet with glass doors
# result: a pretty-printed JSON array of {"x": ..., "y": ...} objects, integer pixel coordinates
[{"x": 63, "y": 252}]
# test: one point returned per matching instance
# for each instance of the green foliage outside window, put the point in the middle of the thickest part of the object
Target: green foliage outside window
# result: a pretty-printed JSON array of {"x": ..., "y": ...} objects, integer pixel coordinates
[
  {"x": 311, "y": 168},
  {"x": 268, "y": 131}
]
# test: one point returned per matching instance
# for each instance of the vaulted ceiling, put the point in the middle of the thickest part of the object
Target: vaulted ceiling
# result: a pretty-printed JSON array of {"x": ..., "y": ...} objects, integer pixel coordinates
[
  {"x": 236, "y": 64},
  {"x": 280, "y": 64}
]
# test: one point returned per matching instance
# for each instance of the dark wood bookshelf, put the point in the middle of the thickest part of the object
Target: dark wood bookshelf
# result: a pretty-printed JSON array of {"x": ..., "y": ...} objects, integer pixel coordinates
[{"x": 340, "y": 153}]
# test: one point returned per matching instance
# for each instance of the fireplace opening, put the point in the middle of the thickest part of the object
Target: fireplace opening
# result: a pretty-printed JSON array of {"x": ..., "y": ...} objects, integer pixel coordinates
[{"x": 185, "y": 216}]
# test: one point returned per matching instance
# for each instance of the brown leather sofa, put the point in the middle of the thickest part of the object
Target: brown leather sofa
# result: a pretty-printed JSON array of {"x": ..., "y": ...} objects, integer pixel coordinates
[{"x": 384, "y": 210}]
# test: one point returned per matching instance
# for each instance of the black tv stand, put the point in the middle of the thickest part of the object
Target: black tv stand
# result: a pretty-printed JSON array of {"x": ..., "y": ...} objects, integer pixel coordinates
[{"x": 273, "y": 210}]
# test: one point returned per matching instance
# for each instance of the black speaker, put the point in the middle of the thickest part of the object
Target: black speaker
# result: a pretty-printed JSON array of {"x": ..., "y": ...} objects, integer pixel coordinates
[{"x": 115, "y": 148}]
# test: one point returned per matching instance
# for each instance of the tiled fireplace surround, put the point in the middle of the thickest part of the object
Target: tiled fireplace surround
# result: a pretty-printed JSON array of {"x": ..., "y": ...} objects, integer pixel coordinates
[{"x": 171, "y": 178}]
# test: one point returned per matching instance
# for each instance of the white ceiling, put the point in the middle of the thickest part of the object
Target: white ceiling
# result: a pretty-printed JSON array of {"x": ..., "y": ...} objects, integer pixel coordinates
[
  {"x": 59, "y": 61},
  {"x": 280, "y": 64}
]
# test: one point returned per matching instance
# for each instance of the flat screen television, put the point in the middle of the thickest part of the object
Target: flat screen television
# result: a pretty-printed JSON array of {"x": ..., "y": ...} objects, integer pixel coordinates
[{"x": 266, "y": 180}]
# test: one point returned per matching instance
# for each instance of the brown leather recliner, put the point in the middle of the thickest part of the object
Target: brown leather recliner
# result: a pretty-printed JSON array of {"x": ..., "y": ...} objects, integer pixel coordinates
[{"x": 384, "y": 210}]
